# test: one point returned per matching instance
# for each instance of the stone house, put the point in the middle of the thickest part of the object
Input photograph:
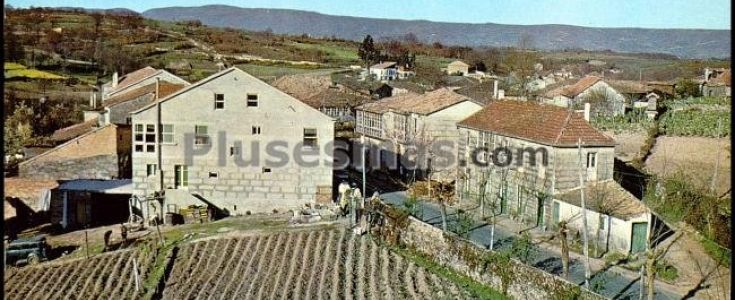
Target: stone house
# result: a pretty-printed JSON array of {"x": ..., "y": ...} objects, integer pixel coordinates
[
  {"x": 384, "y": 71},
  {"x": 617, "y": 221},
  {"x": 396, "y": 123},
  {"x": 458, "y": 67},
  {"x": 233, "y": 142},
  {"x": 103, "y": 153},
  {"x": 319, "y": 92},
  {"x": 516, "y": 154},
  {"x": 716, "y": 83},
  {"x": 136, "y": 79},
  {"x": 605, "y": 99},
  {"x": 117, "y": 109}
]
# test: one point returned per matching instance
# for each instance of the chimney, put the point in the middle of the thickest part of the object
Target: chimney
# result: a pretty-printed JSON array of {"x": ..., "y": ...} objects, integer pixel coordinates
[
  {"x": 495, "y": 89},
  {"x": 114, "y": 80},
  {"x": 707, "y": 73},
  {"x": 587, "y": 112}
]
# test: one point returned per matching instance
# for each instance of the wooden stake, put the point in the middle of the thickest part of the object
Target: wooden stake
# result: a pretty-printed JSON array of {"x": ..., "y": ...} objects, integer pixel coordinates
[
  {"x": 86, "y": 242},
  {"x": 584, "y": 218}
]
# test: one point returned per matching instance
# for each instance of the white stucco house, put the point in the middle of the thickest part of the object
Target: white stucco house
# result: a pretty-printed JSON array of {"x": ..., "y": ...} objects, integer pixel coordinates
[
  {"x": 385, "y": 71},
  {"x": 616, "y": 220},
  {"x": 217, "y": 142}
]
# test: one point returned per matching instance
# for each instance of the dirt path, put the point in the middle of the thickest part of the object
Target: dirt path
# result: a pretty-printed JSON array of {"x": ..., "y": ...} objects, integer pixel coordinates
[{"x": 697, "y": 269}]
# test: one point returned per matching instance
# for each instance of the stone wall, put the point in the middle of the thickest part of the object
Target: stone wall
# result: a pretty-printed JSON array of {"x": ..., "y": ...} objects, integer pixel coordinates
[{"x": 518, "y": 280}]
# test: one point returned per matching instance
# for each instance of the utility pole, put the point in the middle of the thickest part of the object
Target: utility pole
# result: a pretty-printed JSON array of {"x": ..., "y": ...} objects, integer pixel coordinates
[
  {"x": 717, "y": 159},
  {"x": 159, "y": 129},
  {"x": 584, "y": 217},
  {"x": 362, "y": 152}
]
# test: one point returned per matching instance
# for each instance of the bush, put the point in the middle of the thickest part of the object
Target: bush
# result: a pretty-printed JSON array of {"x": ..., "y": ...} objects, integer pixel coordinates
[
  {"x": 666, "y": 271},
  {"x": 696, "y": 122}
]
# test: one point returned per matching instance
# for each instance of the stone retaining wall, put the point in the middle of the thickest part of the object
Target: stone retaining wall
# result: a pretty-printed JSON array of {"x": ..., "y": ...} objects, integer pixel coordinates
[{"x": 518, "y": 280}]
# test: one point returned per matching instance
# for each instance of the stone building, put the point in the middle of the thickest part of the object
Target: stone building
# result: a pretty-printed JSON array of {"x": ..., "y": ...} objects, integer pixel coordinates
[
  {"x": 458, "y": 67},
  {"x": 716, "y": 83},
  {"x": 516, "y": 154},
  {"x": 251, "y": 148},
  {"x": 396, "y": 123},
  {"x": 605, "y": 99},
  {"x": 136, "y": 79},
  {"x": 103, "y": 153},
  {"x": 117, "y": 109}
]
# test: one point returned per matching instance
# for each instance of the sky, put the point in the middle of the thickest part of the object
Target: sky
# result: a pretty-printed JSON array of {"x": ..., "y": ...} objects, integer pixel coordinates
[{"x": 698, "y": 14}]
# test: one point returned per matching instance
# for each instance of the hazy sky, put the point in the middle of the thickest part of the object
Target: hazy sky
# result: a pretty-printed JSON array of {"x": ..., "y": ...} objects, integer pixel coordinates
[{"x": 706, "y": 14}]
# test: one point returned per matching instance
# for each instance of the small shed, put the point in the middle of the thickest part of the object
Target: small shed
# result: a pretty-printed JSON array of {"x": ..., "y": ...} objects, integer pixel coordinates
[
  {"x": 458, "y": 67},
  {"x": 89, "y": 203},
  {"x": 616, "y": 220}
]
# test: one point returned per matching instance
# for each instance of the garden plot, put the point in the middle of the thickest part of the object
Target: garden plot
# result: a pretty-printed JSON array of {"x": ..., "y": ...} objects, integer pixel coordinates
[
  {"x": 313, "y": 264},
  {"x": 105, "y": 276}
]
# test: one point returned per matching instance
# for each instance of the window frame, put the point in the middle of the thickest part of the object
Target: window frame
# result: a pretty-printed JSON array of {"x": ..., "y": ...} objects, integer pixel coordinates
[
  {"x": 163, "y": 134},
  {"x": 219, "y": 102},
  {"x": 593, "y": 156},
  {"x": 148, "y": 168},
  {"x": 181, "y": 177},
  {"x": 205, "y": 136},
  {"x": 313, "y": 141},
  {"x": 252, "y": 102}
]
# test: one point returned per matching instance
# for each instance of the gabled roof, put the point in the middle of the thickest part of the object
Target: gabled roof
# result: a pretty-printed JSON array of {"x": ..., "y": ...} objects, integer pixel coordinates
[
  {"x": 606, "y": 197},
  {"x": 164, "y": 89},
  {"x": 334, "y": 98},
  {"x": 458, "y": 63},
  {"x": 583, "y": 84},
  {"x": 541, "y": 123},
  {"x": 68, "y": 133},
  {"x": 721, "y": 79},
  {"x": 383, "y": 65},
  {"x": 424, "y": 104},
  {"x": 135, "y": 76},
  {"x": 70, "y": 141},
  {"x": 213, "y": 77},
  {"x": 629, "y": 86}
]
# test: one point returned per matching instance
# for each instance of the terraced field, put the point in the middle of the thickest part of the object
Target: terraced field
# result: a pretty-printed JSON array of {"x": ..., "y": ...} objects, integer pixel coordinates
[
  {"x": 106, "y": 276},
  {"x": 316, "y": 264}
]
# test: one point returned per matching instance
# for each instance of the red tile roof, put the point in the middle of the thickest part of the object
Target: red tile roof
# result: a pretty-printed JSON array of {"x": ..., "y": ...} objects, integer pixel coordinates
[
  {"x": 721, "y": 79},
  {"x": 579, "y": 87},
  {"x": 68, "y": 133},
  {"x": 540, "y": 123}
]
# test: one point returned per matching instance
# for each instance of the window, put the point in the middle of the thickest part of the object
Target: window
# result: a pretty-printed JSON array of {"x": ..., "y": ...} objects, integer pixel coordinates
[
  {"x": 219, "y": 101},
  {"x": 252, "y": 100},
  {"x": 591, "y": 160},
  {"x": 128, "y": 120},
  {"x": 310, "y": 137},
  {"x": 213, "y": 175},
  {"x": 603, "y": 220},
  {"x": 234, "y": 150},
  {"x": 144, "y": 138},
  {"x": 256, "y": 129},
  {"x": 200, "y": 135},
  {"x": 167, "y": 134},
  {"x": 181, "y": 178},
  {"x": 151, "y": 169},
  {"x": 266, "y": 170}
]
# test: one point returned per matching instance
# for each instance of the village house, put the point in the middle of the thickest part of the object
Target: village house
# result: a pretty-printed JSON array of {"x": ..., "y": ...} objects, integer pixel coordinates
[
  {"x": 102, "y": 153},
  {"x": 117, "y": 109},
  {"x": 136, "y": 79},
  {"x": 716, "y": 82},
  {"x": 518, "y": 181},
  {"x": 230, "y": 120},
  {"x": 458, "y": 67},
  {"x": 616, "y": 220},
  {"x": 384, "y": 71},
  {"x": 607, "y": 97},
  {"x": 319, "y": 92},
  {"x": 413, "y": 120}
]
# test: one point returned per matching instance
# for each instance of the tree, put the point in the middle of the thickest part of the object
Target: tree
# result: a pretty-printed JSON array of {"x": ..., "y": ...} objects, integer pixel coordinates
[
  {"x": 687, "y": 88},
  {"x": 367, "y": 51},
  {"x": 13, "y": 48}
]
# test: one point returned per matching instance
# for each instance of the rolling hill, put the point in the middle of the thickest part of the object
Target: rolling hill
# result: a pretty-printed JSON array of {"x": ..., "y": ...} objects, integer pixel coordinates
[{"x": 684, "y": 43}]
